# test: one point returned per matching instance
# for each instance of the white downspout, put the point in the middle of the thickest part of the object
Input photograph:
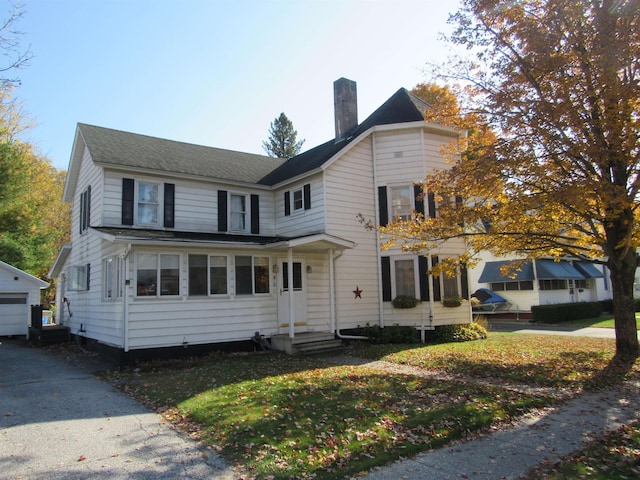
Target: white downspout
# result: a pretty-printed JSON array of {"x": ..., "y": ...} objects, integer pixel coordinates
[
  {"x": 290, "y": 281},
  {"x": 377, "y": 217},
  {"x": 332, "y": 294},
  {"x": 127, "y": 290}
]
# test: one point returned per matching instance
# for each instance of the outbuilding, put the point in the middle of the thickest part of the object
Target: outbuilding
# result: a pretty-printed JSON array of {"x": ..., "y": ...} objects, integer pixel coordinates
[{"x": 18, "y": 290}]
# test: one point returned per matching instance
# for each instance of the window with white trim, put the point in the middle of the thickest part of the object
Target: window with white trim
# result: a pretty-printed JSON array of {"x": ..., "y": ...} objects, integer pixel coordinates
[
  {"x": 113, "y": 278},
  {"x": 157, "y": 275},
  {"x": 252, "y": 275},
  {"x": 401, "y": 203},
  {"x": 85, "y": 209},
  {"x": 404, "y": 280},
  {"x": 237, "y": 212},
  {"x": 77, "y": 278},
  {"x": 148, "y": 203},
  {"x": 207, "y": 275}
]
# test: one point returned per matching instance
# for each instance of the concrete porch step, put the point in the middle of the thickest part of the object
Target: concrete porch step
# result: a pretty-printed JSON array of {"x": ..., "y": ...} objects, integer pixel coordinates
[{"x": 307, "y": 343}]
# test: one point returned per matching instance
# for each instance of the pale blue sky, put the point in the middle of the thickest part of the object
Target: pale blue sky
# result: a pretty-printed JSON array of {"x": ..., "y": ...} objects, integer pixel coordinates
[{"x": 217, "y": 72}]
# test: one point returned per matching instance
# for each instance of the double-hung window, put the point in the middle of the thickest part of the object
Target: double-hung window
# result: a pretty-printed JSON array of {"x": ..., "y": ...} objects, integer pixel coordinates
[
  {"x": 207, "y": 275},
  {"x": 148, "y": 203},
  {"x": 252, "y": 275},
  {"x": 157, "y": 275},
  {"x": 237, "y": 212},
  {"x": 85, "y": 209},
  {"x": 401, "y": 203},
  {"x": 405, "y": 278}
]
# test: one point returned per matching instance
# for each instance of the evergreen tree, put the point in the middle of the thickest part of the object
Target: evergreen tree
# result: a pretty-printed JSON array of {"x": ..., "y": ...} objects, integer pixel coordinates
[{"x": 282, "y": 142}]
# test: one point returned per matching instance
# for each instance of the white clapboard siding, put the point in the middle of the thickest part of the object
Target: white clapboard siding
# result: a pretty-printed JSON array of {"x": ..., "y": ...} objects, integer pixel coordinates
[
  {"x": 196, "y": 202},
  {"x": 349, "y": 192},
  {"x": 307, "y": 221}
]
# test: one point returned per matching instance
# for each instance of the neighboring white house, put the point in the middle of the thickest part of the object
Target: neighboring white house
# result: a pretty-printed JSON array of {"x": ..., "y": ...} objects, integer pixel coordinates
[
  {"x": 18, "y": 290},
  {"x": 541, "y": 282},
  {"x": 175, "y": 244}
]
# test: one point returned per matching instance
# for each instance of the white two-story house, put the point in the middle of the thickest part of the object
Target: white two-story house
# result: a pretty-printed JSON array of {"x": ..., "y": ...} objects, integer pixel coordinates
[{"x": 175, "y": 245}]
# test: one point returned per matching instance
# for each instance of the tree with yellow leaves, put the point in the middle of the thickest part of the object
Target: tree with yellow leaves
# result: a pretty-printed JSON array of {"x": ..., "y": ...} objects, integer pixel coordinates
[{"x": 558, "y": 81}]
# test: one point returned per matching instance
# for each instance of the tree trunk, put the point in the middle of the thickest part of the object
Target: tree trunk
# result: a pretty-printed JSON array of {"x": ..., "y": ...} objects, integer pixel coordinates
[{"x": 622, "y": 278}]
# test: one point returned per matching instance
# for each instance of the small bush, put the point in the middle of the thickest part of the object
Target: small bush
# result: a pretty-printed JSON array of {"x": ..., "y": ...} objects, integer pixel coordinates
[
  {"x": 390, "y": 334},
  {"x": 562, "y": 312},
  {"x": 459, "y": 333}
]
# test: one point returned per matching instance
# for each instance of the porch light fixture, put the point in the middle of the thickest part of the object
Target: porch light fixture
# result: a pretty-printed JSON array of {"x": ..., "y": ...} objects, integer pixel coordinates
[{"x": 309, "y": 269}]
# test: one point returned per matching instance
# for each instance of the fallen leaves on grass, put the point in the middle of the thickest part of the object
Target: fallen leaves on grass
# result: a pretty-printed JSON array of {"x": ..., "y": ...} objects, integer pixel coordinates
[{"x": 614, "y": 456}]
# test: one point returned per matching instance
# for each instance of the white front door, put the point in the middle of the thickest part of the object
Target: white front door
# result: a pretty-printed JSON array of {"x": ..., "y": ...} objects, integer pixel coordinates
[{"x": 299, "y": 314}]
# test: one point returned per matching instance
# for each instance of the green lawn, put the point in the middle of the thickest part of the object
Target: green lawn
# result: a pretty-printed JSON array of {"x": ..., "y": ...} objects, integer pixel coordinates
[{"x": 289, "y": 417}]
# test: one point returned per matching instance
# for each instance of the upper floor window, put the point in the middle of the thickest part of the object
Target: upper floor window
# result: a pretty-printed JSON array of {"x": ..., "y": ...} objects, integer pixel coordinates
[
  {"x": 238, "y": 212},
  {"x": 85, "y": 209},
  {"x": 297, "y": 200},
  {"x": 148, "y": 203}
]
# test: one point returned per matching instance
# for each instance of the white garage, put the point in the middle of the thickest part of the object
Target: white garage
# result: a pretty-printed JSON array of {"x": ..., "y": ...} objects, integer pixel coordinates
[{"x": 18, "y": 290}]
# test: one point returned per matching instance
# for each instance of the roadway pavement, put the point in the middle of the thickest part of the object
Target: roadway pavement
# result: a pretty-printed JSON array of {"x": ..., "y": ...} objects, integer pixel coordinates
[{"x": 59, "y": 422}]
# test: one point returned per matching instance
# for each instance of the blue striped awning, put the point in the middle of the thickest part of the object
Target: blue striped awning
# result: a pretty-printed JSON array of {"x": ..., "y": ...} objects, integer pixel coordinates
[
  {"x": 549, "y": 269},
  {"x": 492, "y": 272},
  {"x": 589, "y": 270}
]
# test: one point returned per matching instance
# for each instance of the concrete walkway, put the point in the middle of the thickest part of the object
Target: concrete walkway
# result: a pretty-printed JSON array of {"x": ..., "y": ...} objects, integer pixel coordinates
[
  {"x": 60, "y": 422},
  {"x": 510, "y": 453}
]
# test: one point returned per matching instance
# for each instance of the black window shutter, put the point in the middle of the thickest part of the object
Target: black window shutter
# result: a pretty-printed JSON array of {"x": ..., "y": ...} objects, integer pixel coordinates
[
  {"x": 382, "y": 206},
  {"x": 83, "y": 212},
  {"x": 464, "y": 281},
  {"x": 169, "y": 205},
  {"x": 386, "y": 278},
  {"x": 431, "y": 199},
  {"x": 436, "y": 280},
  {"x": 88, "y": 203},
  {"x": 423, "y": 275},
  {"x": 128, "y": 186},
  {"x": 287, "y": 204},
  {"x": 88, "y": 276},
  {"x": 419, "y": 198},
  {"x": 222, "y": 210},
  {"x": 255, "y": 214},
  {"x": 307, "y": 196}
]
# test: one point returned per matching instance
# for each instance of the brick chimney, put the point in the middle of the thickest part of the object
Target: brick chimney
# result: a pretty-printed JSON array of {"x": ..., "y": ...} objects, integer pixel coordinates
[{"x": 345, "y": 106}]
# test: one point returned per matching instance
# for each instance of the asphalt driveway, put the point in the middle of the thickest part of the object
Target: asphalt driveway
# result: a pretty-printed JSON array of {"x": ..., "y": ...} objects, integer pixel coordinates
[{"x": 59, "y": 421}]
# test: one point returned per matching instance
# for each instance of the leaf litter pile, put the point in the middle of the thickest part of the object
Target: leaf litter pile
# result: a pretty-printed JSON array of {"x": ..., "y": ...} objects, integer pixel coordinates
[{"x": 284, "y": 417}]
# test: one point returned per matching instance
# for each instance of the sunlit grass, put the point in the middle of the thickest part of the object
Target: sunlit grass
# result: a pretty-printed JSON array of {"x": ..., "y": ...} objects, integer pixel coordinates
[
  {"x": 287, "y": 417},
  {"x": 535, "y": 360}
]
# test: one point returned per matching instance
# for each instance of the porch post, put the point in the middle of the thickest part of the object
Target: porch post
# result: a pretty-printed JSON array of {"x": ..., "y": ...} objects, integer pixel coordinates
[
  {"x": 290, "y": 282},
  {"x": 332, "y": 293}
]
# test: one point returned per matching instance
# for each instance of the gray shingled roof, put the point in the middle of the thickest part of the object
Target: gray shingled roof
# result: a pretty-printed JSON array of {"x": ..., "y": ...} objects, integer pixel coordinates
[{"x": 124, "y": 149}]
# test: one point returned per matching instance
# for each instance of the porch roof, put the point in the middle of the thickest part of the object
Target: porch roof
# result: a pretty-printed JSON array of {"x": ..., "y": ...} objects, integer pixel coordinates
[{"x": 137, "y": 236}]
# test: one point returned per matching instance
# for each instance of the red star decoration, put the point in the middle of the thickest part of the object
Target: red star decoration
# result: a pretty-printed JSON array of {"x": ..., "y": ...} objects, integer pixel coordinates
[{"x": 357, "y": 292}]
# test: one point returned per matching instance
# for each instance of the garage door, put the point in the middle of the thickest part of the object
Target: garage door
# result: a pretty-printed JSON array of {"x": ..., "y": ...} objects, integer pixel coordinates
[{"x": 14, "y": 315}]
